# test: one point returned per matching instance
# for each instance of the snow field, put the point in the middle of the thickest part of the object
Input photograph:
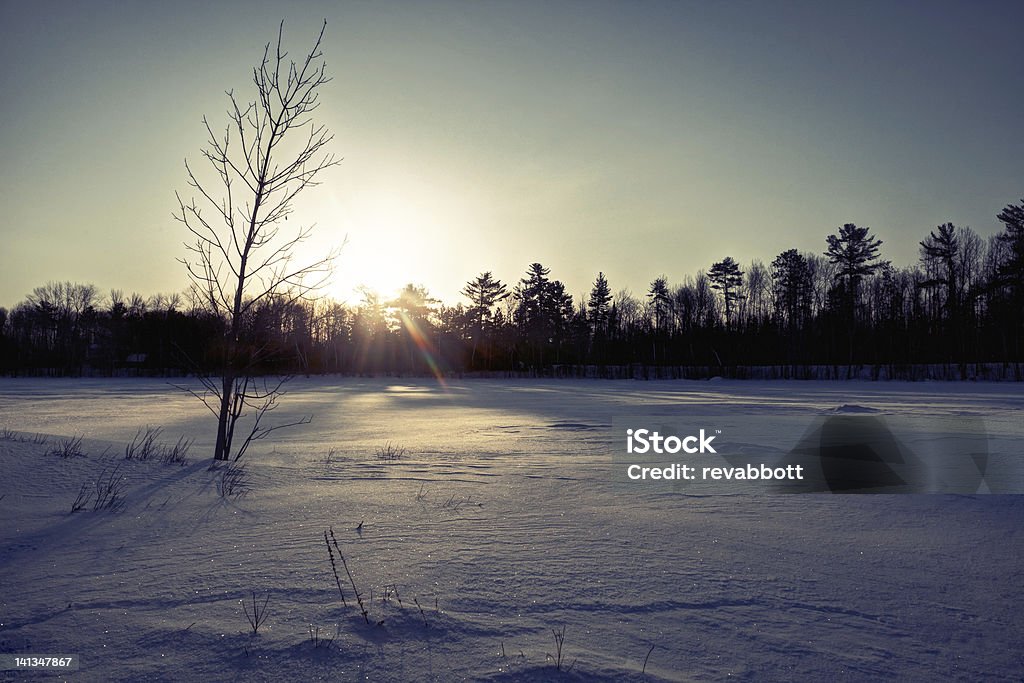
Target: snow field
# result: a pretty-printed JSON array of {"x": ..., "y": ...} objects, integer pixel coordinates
[{"x": 502, "y": 521}]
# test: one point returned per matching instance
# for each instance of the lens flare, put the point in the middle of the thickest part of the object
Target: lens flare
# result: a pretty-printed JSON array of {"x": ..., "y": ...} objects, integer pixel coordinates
[{"x": 424, "y": 346}]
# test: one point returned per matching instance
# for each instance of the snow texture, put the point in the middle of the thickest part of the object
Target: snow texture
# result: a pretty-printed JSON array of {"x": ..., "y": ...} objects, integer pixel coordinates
[{"x": 499, "y": 524}]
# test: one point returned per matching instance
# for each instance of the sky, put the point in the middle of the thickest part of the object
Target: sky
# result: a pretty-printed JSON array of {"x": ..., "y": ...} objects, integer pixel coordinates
[{"x": 634, "y": 138}]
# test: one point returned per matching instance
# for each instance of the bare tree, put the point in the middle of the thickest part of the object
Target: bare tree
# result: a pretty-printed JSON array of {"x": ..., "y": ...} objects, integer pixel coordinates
[
  {"x": 241, "y": 254},
  {"x": 628, "y": 310},
  {"x": 754, "y": 308}
]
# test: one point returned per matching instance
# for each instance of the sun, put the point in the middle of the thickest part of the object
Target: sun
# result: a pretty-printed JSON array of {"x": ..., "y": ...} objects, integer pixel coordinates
[
  {"x": 398, "y": 227},
  {"x": 372, "y": 266},
  {"x": 389, "y": 237}
]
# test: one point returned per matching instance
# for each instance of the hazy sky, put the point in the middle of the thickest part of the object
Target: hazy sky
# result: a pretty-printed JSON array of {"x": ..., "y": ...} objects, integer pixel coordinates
[{"x": 636, "y": 138}]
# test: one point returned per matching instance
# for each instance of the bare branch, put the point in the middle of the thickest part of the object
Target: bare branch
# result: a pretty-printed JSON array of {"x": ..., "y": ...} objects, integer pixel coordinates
[{"x": 241, "y": 257}]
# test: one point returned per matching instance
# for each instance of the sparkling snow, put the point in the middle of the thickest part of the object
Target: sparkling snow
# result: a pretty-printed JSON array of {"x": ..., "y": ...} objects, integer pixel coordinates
[{"x": 502, "y": 522}]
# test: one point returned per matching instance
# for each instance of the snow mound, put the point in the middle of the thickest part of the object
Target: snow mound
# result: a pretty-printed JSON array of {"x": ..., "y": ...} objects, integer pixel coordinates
[
  {"x": 852, "y": 409},
  {"x": 573, "y": 426}
]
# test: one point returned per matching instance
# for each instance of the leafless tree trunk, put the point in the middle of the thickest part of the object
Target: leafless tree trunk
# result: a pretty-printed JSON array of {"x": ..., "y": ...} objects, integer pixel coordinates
[{"x": 241, "y": 255}]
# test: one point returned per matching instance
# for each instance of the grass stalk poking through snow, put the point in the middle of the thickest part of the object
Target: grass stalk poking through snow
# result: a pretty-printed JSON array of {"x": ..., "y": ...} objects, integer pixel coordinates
[
  {"x": 359, "y": 599},
  {"x": 106, "y": 493},
  {"x": 109, "y": 490},
  {"x": 176, "y": 454},
  {"x": 259, "y": 612},
  {"x": 334, "y": 568},
  {"x": 644, "y": 670},
  {"x": 143, "y": 446},
  {"x": 390, "y": 590},
  {"x": 422, "y": 614},
  {"x": 318, "y": 641},
  {"x": 559, "y": 635},
  {"x": 84, "y": 496},
  {"x": 234, "y": 481},
  {"x": 70, "y": 447},
  {"x": 390, "y": 452}
]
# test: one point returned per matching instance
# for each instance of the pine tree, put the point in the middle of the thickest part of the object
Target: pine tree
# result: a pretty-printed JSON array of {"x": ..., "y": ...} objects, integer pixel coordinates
[
  {"x": 530, "y": 295},
  {"x": 727, "y": 277},
  {"x": 484, "y": 292},
  {"x": 543, "y": 309},
  {"x": 598, "y": 305},
  {"x": 1011, "y": 271},
  {"x": 661, "y": 301},
  {"x": 855, "y": 252},
  {"x": 791, "y": 287},
  {"x": 940, "y": 249}
]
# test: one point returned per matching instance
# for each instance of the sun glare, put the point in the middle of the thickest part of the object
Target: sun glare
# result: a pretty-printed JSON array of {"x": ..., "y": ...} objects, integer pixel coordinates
[
  {"x": 389, "y": 237},
  {"x": 366, "y": 266},
  {"x": 398, "y": 226}
]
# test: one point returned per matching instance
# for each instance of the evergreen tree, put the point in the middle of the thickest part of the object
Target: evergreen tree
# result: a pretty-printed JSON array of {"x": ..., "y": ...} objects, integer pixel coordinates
[
  {"x": 727, "y": 277},
  {"x": 543, "y": 310},
  {"x": 530, "y": 295},
  {"x": 1011, "y": 271},
  {"x": 661, "y": 301},
  {"x": 484, "y": 292},
  {"x": 558, "y": 315},
  {"x": 598, "y": 306},
  {"x": 1013, "y": 236},
  {"x": 792, "y": 290},
  {"x": 939, "y": 255},
  {"x": 855, "y": 253}
]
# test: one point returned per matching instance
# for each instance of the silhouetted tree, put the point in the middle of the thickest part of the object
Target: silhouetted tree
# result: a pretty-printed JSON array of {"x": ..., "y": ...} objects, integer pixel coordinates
[
  {"x": 369, "y": 333},
  {"x": 792, "y": 290},
  {"x": 599, "y": 317},
  {"x": 1012, "y": 217},
  {"x": 599, "y": 305},
  {"x": 628, "y": 309},
  {"x": 417, "y": 339},
  {"x": 660, "y": 307},
  {"x": 756, "y": 302},
  {"x": 661, "y": 302},
  {"x": 242, "y": 256},
  {"x": 543, "y": 310},
  {"x": 727, "y": 277},
  {"x": 484, "y": 292},
  {"x": 938, "y": 254},
  {"x": 559, "y": 314},
  {"x": 8, "y": 362},
  {"x": 1011, "y": 272},
  {"x": 62, "y": 319},
  {"x": 855, "y": 253}
]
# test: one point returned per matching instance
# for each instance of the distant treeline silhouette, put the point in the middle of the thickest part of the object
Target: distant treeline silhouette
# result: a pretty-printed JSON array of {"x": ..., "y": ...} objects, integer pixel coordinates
[{"x": 960, "y": 309}]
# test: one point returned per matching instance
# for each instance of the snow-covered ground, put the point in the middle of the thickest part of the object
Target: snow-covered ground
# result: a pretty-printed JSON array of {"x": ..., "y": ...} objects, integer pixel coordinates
[{"x": 500, "y": 523}]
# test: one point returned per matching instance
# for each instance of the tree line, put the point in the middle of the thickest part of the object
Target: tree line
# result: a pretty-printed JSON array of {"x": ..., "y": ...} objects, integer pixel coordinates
[{"x": 960, "y": 306}]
